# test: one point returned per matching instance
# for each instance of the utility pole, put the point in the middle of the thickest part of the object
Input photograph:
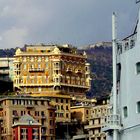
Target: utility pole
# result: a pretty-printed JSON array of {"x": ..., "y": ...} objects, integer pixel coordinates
[{"x": 114, "y": 36}]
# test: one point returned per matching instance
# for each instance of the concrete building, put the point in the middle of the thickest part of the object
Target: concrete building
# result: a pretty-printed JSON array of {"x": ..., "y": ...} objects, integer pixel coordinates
[
  {"x": 26, "y": 128},
  {"x": 80, "y": 113},
  {"x": 97, "y": 118},
  {"x": 6, "y": 69},
  {"x": 13, "y": 108},
  {"x": 54, "y": 71}
]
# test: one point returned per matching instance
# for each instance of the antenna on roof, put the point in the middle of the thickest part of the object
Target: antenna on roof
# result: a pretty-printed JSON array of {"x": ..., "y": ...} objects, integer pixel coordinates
[{"x": 137, "y": 1}]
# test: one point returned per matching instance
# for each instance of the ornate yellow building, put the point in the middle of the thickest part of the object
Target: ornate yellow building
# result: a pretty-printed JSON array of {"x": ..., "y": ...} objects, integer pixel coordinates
[{"x": 53, "y": 71}]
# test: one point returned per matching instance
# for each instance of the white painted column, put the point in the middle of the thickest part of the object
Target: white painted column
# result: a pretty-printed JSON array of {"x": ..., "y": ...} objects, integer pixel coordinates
[{"x": 114, "y": 34}]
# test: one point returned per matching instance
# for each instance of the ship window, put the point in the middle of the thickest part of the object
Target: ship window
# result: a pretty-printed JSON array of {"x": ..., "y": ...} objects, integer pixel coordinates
[
  {"x": 138, "y": 107},
  {"x": 118, "y": 72},
  {"x": 125, "y": 112},
  {"x": 138, "y": 67}
]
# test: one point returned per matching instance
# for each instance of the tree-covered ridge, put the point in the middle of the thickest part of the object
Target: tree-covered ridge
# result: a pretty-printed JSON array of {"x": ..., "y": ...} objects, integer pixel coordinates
[{"x": 100, "y": 59}]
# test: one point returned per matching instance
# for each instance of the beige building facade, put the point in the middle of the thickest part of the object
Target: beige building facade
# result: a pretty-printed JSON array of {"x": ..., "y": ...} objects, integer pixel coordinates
[
  {"x": 54, "y": 71},
  {"x": 6, "y": 69},
  {"x": 98, "y": 114},
  {"x": 12, "y": 108}
]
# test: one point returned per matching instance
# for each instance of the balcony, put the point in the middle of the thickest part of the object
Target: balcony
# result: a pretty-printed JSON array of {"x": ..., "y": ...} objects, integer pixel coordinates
[
  {"x": 68, "y": 70},
  {"x": 57, "y": 68},
  {"x": 36, "y": 70},
  {"x": 43, "y": 117},
  {"x": 4, "y": 72},
  {"x": 92, "y": 126},
  {"x": 29, "y": 106},
  {"x": 16, "y": 116},
  {"x": 112, "y": 122}
]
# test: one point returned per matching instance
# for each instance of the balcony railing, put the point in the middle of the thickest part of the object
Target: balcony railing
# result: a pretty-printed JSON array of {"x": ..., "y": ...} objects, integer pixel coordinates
[
  {"x": 15, "y": 116},
  {"x": 29, "y": 106},
  {"x": 112, "y": 122},
  {"x": 93, "y": 126},
  {"x": 4, "y": 71},
  {"x": 126, "y": 44},
  {"x": 54, "y": 83},
  {"x": 36, "y": 70}
]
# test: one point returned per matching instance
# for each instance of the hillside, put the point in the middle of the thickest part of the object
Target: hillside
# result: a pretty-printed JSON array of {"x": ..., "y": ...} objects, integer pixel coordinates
[{"x": 100, "y": 58}]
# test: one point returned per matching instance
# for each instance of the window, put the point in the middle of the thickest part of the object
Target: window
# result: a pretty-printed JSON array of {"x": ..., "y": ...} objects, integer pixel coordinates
[
  {"x": 43, "y": 122},
  {"x": 62, "y": 107},
  {"x": 56, "y": 100},
  {"x": 36, "y": 102},
  {"x": 15, "y": 113},
  {"x": 51, "y": 122},
  {"x": 61, "y": 100},
  {"x": 35, "y": 137},
  {"x": 42, "y": 102},
  {"x": 35, "y": 130},
  {"x": 42, "y": 113},
  {"x": 138, "y": 107},
  {"x": 67, "y": 101},
  {"x": 51, "y": 131},
  {"x": 13, "y": 102},
  {"x": 125, "y": 112},
  {"x": 36, "y": 113},
  {"x": 51, "y": 114},
  {"x": 118, "y": 72},
  {"x": 22, "y": 113},
  {"x": 23, "y": 130},
  {"x": 138, "y": 67},
  {"x": 67, "y": 115},
  {"x": 67, "y": 108},
  {"x": 29, "y": 112}
]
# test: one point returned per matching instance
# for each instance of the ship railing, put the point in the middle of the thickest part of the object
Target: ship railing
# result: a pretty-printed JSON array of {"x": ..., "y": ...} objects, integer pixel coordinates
[
  {"x": 111, "y": 122},
  {"x": 126, "y": 44}
]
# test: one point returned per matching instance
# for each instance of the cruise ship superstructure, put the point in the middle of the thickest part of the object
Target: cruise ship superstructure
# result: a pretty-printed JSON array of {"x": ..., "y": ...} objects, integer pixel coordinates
[{"x": 123, "y": 121}]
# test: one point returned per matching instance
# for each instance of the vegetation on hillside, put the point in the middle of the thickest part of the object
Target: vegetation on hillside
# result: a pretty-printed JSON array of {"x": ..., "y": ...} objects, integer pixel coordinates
[{"x": 100, "y": 59}]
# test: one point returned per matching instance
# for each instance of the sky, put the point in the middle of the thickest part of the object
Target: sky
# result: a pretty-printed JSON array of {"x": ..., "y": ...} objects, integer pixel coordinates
[{"x": 76, "y": 22}]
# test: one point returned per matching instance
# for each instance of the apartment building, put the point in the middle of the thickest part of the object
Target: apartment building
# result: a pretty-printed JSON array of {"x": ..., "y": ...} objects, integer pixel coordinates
[
  {"x": 13, "y": 108},
  {"x": 80, "y": 113},
  {"x": 27, "y": 128},
  {"x": 6, "y": 69},
  {"x": 98, "y": 114},
  {"x": 54, "y": 71},
  {"x": 81, "y": 109}
]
